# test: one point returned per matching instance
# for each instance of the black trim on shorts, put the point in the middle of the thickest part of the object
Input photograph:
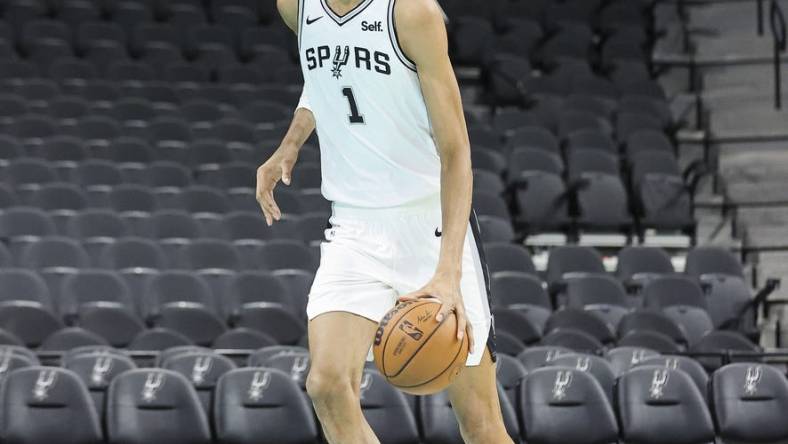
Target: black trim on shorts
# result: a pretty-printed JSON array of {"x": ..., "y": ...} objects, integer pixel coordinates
[{"x": 486, "y": 271}]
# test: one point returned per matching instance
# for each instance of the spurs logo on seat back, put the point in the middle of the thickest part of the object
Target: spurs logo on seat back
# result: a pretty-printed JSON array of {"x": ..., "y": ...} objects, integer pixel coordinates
[
  {"x": 366, "y": 383},
  {"x": 202, "y": 366},
  {"x": 101, "y": 368},
  {"x": 583, "y": 363},
  {"x": 563, "y": 379},
  {"x": 658, "y": 383},
  {"x": 153, "y": 384},
  {"x": 752, "y": 378},
  {"x": 300, "y": 364},
  {"x": 46, "y": 380},
  {"x": 259, "y": 383}
]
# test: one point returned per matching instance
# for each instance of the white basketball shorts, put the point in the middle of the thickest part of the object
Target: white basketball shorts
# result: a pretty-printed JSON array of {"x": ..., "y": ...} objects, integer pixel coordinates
[{"x": 372, "y": 256}]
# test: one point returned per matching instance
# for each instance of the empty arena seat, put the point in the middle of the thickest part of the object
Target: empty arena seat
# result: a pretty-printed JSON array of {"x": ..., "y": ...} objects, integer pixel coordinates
[
  {"x": 293, "y": 362},
  {"x": 540, "y": 356},
  {"x": 502, "y": 256},
  {"x": 680, "y": 298},
  {"x": 262, "y": 406},
  {"x": 747, "y": 402},
  {"x": 203, "y": 369},
  {"x": 386, "y": 410},
  {"x": 71, "y": 337},
  {"x": 440, "y": 424},
  {"x": 581, "y": 320},
  {"x": 712, "y": 260},
  {"x": 97, "y": 369},
  {"x": 572, "y": 259},
  {"x": 260, "y": 357},
  {"x": 26, "y": 308},
  {"x": 561, "y": 405},
  {"x": 600, "y": 294},
  {"x": 637, "y": 262},
  {"x": 46, "y": 404},
  {"x": 242, "y": 339},
  {"x": 155, "y": 405},
  {"x": 183, "y": 302},
  {"x": 13, "y": 357},
  {"x": 684, "y": 363},
  {"x": 624, "y": 358},
  {"x": 100, "y": 301},
  {"x": 516, "y": 324},
  {"x": 651, "y": 321},
  {"x": 594, "y": 365},
  {"x": 659, "y": 404},
  {"x": 523, "y": 293},
  {"x": 510, "y": 374},
  {"x": 721, "y": 342}
]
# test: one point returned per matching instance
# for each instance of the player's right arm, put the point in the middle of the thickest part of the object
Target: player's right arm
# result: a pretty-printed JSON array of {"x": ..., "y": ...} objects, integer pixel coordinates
[{"x": 280, "y": 165}]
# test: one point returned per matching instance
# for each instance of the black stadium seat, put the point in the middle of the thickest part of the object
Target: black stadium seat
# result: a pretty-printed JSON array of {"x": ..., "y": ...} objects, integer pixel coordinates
[
  {"x": 97, "y": 369},
  {"x": 47, "y": 404},
  {"x": 154, "y": 405},
  {"x": 659, "y": 404},
  {"x": 262, "y": 406},
  {"x": 560, "y": 405},
  {"x": 747, "y": 400}
]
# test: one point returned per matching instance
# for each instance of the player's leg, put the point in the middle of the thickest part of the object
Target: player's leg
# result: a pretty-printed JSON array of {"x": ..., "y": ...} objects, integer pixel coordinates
[
  {"x": 474, "y": 398},
  {"x": 338, "y": 344}
]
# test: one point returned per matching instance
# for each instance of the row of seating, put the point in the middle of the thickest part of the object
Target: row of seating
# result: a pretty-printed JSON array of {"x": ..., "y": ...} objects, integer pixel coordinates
[
  {"x": 67, "y": 110},
  {"x": 130, "y": 12},
  {"x": 549, "y": 396},
  {"x": 73, "y": 78},
  {"x": 210, "y": 47}
]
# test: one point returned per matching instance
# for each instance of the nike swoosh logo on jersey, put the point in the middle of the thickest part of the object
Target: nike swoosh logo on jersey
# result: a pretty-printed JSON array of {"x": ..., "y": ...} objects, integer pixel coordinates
[
  {"x": 309, "y": 21},
  {"x": 438, "y": 233}
]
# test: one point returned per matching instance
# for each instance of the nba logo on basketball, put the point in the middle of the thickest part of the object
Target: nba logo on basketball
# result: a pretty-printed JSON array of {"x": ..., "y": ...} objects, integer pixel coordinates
[{"x": 411, "y": 330}]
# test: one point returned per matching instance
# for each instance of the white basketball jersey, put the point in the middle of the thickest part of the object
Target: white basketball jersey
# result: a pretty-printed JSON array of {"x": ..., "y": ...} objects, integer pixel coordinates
[{"x": 376, "y": 142}]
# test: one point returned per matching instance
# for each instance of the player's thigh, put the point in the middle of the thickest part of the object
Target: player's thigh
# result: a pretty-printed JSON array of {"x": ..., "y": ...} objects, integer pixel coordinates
[
  {"x": 474, "y": 396},
  {"x": 338, "y": 345}
]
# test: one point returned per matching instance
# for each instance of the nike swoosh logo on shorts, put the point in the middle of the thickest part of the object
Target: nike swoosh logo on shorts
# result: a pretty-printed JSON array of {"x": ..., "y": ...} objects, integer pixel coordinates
[{"x": 438, "y": 233}]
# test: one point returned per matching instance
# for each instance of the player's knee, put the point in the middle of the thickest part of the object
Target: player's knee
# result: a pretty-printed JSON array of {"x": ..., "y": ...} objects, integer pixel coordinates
[{"x": 326, "y": 385}]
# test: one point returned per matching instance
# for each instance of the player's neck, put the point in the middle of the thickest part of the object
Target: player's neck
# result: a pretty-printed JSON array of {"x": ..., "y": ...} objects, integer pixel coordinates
[{"x": 342, "y": 7}]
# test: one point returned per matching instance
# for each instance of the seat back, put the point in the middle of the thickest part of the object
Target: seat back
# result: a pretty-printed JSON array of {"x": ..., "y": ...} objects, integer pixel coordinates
[
  {"x": 387, "y": 411},
  {"x": 262, "y": 406},
  {"x": 662, "y": 405},
  {"x": 749, "y": 401},
  {"x": 155, "y": 405},
  {"x": 561, "y": 405},
  {"x": 46, "y": 404}
]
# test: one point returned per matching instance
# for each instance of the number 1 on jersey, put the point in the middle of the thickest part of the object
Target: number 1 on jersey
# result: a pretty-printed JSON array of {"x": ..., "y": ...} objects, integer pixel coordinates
[{"x": 354, "y": 116}]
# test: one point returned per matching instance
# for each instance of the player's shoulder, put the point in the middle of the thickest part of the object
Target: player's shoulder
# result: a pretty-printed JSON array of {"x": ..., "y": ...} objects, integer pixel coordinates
[
  {"x": 288, "y": 9},
  {"x": 414, "y": 13}
]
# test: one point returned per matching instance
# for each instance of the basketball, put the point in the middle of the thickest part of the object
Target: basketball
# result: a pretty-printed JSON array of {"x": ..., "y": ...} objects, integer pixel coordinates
[{"x": 416, "y": 353}]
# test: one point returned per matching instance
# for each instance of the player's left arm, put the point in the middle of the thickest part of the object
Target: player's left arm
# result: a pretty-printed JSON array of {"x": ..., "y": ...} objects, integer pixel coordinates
[{"x": 422, "y": 36}]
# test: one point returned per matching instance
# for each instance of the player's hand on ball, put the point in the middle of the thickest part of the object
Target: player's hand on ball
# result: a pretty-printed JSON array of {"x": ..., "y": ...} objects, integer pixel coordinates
[
  {"x": 278, "y": 167},
  {"x": 447, "y": 290}
]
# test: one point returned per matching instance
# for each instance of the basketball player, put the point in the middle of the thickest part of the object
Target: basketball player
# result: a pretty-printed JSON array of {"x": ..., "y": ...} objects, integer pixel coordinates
[{"x": 395, "y": 156}]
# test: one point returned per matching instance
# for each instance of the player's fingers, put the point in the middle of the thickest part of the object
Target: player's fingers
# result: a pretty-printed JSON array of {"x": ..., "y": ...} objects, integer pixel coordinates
[
  {"x": 269, "y": 208},
  {"x": 275, "y": 211},
  {"x": 461, "y": 321},
  {"x": 444, "y": 310},
  {"x": 416, "y": 295},
  {"x": 469, "y": 332},
  {"x": 287, "y": 170}
]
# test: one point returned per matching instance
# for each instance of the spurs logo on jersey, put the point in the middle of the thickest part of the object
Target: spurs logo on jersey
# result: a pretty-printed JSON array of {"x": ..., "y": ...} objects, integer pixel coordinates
[
  {"x": 362, "y": 58},
  {"x": 375, "y": 136}
]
